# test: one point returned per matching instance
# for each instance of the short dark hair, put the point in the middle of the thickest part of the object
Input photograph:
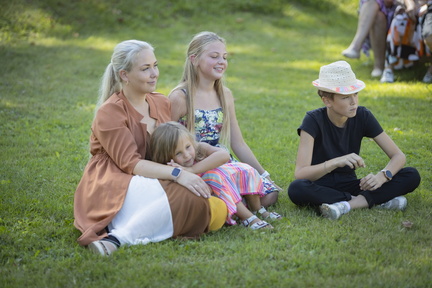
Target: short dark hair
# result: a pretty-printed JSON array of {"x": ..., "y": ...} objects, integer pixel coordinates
[{"x": 322, "y": 94}]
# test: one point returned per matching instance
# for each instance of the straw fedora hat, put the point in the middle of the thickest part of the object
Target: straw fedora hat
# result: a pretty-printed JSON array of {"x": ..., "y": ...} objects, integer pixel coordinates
[{"x": 338, "y": 78}]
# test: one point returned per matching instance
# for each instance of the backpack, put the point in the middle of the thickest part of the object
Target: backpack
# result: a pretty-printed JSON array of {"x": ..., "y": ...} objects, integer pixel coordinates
[{"x": 404, "y": 41}]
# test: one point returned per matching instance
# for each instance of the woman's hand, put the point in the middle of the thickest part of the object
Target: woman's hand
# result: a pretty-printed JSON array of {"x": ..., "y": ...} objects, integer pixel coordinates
[
  {"x": 194, "y": 183},
  {"x": 352, "y": 160},
  {"x": 372, "y": 181}
]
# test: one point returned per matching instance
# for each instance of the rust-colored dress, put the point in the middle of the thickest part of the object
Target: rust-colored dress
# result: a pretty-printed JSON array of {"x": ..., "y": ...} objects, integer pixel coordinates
[{"x": 118, "y": 141}]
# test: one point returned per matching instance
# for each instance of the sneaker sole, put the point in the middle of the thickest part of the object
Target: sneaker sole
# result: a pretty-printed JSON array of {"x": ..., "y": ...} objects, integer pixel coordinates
[
  {"x": 100, "y": 248},
  {"x": 351, "y": 54},
  {"x": 329, "y": 213},
  {"x": 403, "y": 202},
  {"x": 96, "y": 248}
]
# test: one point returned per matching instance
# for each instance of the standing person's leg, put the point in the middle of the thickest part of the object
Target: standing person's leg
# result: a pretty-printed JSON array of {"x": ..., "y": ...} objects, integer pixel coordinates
[
  {"x": 366, "y": 20},
  {"x": 378, "y": 36},
  {"x": 427, "y": 36}
]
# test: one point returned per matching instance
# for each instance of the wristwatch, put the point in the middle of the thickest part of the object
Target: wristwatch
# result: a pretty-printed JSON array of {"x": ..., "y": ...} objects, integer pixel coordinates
[
  {"x": 387, "y": 174},
  {"x": 176, "y": 173}
]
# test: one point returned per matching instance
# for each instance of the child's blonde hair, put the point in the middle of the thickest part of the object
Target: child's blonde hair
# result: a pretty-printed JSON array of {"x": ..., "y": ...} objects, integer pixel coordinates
[
  {"x": 164, "y": 141},
  {"x": 190, "y": 80}
]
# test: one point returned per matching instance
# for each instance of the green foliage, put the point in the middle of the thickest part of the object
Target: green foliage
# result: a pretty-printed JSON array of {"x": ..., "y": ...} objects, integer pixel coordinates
[{"x": 53, "y": 54}]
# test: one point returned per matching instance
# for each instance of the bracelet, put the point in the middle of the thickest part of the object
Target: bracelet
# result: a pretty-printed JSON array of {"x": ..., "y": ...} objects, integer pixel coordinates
[{"x": 265, "y": 174}]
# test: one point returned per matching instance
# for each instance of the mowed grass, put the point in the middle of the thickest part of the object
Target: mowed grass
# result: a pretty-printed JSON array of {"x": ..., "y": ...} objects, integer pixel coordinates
[{"x": 52, "y": 57}]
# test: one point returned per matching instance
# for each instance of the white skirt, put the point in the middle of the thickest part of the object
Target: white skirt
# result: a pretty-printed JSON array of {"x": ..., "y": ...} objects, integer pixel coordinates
[{"x": 145, "y": 215}]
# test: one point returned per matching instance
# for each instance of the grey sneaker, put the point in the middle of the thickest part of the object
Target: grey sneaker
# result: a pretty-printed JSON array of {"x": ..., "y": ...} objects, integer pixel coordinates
[
  {"x": 333, "y": 211},
  {"x": 397, "y": 203}
]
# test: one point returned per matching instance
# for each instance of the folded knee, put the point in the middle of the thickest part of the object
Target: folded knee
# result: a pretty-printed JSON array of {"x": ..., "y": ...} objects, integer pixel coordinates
[{"x": 296, "y": 189}]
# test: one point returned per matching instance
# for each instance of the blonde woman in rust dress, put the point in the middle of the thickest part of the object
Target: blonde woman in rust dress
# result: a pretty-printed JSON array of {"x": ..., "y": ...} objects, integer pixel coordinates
[{"x": 123, "y": 197}]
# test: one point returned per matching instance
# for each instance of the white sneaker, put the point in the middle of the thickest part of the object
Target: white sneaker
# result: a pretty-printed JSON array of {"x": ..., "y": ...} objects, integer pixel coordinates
[
  {"x": 102, "y": 247},
  {"x": 428, "y": 77},
  {"x": 333, "y": 211},
  {"x": 399, "y": 65},
  {"x": 387, "y": 76},
  {"x": 350, "y": 53},
  {"x": 397, "y": 203},
  {"x": 376, "y": 72}
]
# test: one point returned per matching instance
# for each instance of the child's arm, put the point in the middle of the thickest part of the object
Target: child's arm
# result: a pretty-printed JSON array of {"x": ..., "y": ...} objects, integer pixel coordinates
[
  {"x": 397, "y": 161},
  {"x": 214, "y": 157},
  {"x": 304, "y": 168},
  {"x": 178, "y": 104},
  {"x": 238, "y": 145}
]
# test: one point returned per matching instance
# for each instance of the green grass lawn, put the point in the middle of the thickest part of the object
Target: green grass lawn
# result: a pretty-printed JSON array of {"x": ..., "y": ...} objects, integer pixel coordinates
[{"x": 52, "y": 57}]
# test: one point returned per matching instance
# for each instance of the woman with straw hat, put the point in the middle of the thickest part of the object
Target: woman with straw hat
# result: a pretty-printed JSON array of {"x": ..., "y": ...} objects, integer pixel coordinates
[{"x": 328, "y": 153}]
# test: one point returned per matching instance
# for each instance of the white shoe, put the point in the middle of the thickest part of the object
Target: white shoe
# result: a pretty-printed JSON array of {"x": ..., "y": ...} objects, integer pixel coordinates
[
  {"x": 350, "y": 53},
  {"x": 376, "y": 72},
  {"x": 408, "y": 64},
  {"x": 102, "y": 247},
  {"x": 428, "y": 77},
  {"x": 333, "y": 211},
  {"x": 397, "y": 203},
  {"x": 399, "y": 65},
  {"x": 387, "y": 76}
]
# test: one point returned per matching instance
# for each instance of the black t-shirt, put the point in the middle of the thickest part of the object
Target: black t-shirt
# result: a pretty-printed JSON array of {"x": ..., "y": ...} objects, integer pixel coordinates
[{"x": 332, "y": 141}]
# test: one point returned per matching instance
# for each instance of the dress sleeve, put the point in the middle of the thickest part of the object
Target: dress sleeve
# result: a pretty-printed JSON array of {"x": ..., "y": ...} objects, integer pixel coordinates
[{"x": 111, "y": 127}]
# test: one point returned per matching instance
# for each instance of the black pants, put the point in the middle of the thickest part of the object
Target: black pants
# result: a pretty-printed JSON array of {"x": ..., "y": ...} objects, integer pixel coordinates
[{"x": 336, "y": 187}]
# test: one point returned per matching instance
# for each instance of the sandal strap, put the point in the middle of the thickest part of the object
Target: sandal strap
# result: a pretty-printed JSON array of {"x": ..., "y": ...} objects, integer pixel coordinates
[
  {"x": 275, "y": 215},
  {"x": 248, "y": 221},
  {"x": 272, "y": 215},
  {"x": 259, "y": 225},
  {"x": 262, "y": 210}
]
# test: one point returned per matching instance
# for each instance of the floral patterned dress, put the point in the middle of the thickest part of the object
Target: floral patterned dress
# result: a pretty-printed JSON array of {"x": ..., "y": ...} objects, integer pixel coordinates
[{"x": 208, "y": 126}]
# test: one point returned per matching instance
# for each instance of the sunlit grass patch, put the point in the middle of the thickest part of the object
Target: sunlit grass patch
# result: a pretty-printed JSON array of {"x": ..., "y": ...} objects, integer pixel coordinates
[{"x": 53, "y": 54}]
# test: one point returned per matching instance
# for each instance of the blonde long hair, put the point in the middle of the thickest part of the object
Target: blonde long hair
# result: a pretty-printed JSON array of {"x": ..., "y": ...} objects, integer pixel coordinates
[
  {"x": 190, "y": 80},
  {"x": 122, "y": 58},
  {"x": 164, "y": 140}
]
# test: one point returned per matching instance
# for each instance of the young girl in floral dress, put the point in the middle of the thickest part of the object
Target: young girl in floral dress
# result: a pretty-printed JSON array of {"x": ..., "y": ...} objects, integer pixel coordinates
[
  {"x": 173, "y": 144},
  {"x": 206, "y": 107}
]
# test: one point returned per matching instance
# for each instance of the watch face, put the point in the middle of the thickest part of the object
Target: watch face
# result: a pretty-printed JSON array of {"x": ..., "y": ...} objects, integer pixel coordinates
[
  {"x": 175, "y": 172},
  {"x": 388, "y": 174}
]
